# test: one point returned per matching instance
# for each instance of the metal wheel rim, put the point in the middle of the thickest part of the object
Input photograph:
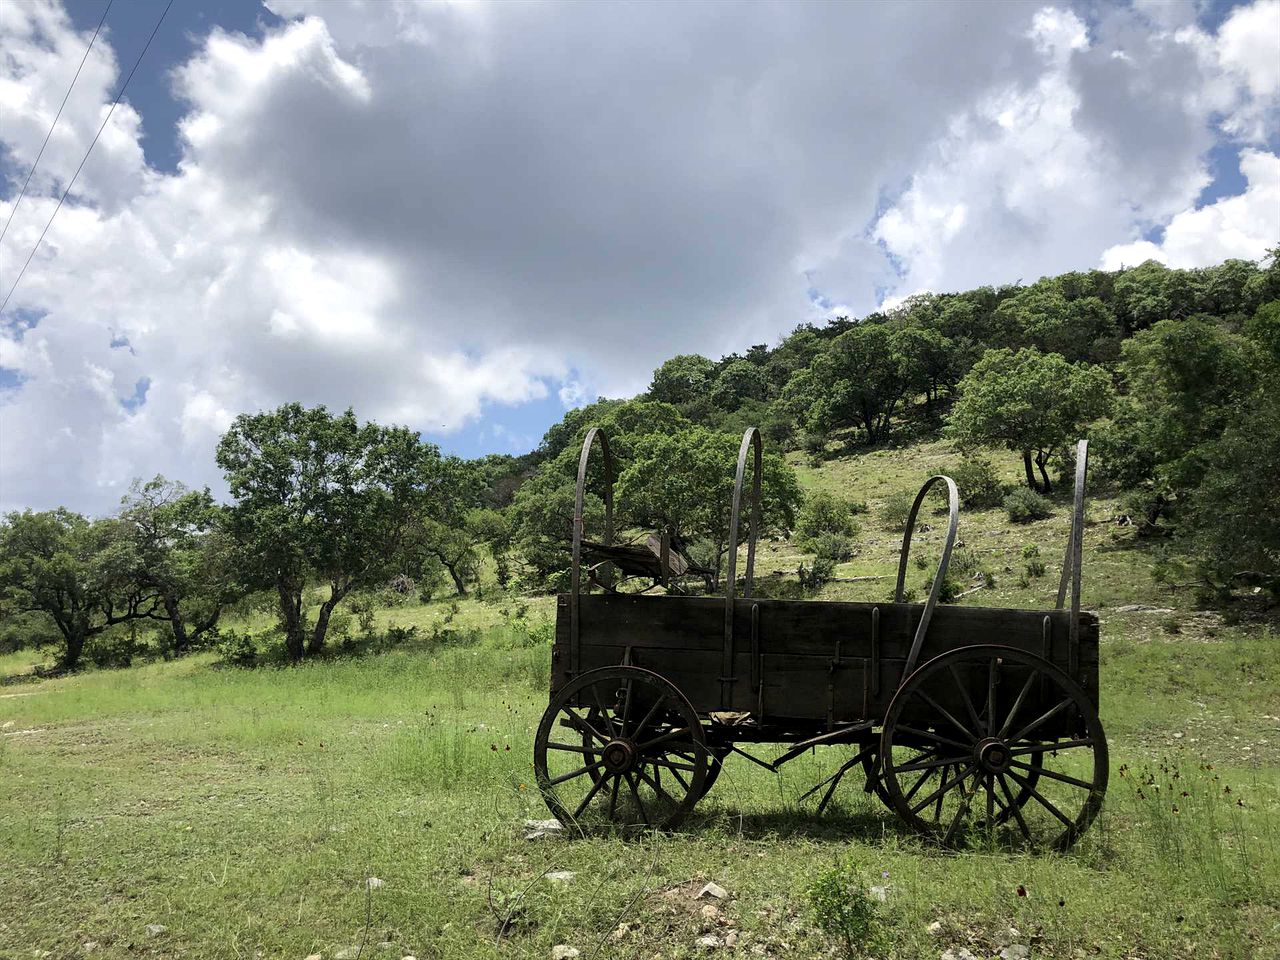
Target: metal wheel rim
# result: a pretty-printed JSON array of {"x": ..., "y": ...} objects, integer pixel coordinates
[
  {"x": 646, "y": 771},
  {"x": 945, "y": 790}
]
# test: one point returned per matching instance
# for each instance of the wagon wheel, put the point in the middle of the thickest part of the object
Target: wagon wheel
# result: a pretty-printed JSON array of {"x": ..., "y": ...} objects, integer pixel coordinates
[
  {"x": 715, "y": 764},
  {"x": 620, "y": 744},
  {"x": 876, "y": 783},
  {"x": 1023, "y": 762}
]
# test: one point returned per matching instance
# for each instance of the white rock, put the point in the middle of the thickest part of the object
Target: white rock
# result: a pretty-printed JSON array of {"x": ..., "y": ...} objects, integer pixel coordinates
[
  {"x": 155, "y": 929},
  {"x": 709, "y": 912},
  {"x": 712, "y": 890},
  {"x": 731, "y": 938},
  {"x": 347, "y": 953},
  {"x": 563, "y": 951},
  {"x": 935, "y": 928},
  {"x": 560, "y": 876},
  {"x": 89, "y": 946},
  {"x": 880, "y": 893},
  {"x": 408, "y": 956},
  {"x": 539, "y": 829},
  {"x": 1015, "y": 951},
  {"x": 709, "y": 942},
  {"x": 374, "y": 883},
  {"x": 958, "y": 953},
  {"x": 315, "y": 956}
]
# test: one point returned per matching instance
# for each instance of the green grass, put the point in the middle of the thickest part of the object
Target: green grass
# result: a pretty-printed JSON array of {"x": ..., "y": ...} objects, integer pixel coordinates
[{"x": 244, "y": 810}]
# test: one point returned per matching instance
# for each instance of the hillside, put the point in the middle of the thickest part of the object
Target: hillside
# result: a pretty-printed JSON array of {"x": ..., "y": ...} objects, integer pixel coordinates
[{"x": 243, "y": 810}]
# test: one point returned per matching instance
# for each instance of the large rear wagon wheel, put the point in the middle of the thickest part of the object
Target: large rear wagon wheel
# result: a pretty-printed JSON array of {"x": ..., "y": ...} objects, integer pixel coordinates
[
  {"x": 1023, "y": 762},
  {"x": 620, "y": 745}
]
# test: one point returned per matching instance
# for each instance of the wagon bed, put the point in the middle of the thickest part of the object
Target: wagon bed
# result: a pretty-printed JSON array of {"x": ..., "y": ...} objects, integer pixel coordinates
[{"x": 966, "y": 721}]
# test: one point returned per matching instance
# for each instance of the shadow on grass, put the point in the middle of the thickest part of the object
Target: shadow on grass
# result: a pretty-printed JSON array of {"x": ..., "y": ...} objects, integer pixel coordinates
[{"x": 837, "y": 823}]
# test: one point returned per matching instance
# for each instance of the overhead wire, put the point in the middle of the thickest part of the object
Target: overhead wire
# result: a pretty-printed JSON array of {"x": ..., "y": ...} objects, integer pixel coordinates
[
  {"x": 74, "y": 177},
  {"x": 25, "y": 183}
]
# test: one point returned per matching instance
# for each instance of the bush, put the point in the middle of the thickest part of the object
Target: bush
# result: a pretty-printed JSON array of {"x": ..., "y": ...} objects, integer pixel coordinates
[
  {"x": 813, "y": 578},
  {"x": 1025, "y": 505},
  {"x": 980, "y": 487},
  {"x": 835, "y": 547},
  {"x": 822, "y": 514},
  {"x": 237, "y": 648},
  {"x": 1033, "y": 566},
  {"x": 896, "y": 509},
  {"x": 844, "y": 911},
  {"x": 114, "y": 649}
]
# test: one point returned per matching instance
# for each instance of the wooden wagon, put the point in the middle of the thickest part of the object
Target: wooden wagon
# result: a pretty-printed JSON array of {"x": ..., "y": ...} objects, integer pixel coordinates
[{"x": 966, "y": 721}]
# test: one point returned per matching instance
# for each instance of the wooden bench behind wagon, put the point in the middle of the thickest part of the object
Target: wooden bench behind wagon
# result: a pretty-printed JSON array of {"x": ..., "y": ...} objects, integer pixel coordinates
[{"x": 965, "y": 721}]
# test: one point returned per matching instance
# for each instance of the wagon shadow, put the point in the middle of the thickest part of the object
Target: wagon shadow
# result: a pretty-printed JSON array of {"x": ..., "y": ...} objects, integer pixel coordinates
[{"x": 836, "y": 824}]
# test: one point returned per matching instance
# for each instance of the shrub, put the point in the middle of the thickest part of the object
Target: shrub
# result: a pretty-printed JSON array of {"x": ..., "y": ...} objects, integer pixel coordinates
[
  {"x": 844, "y": 911},
  {"x": 1025, "y": 505},
  {"x": 896, "y": 509},
  {"x": 835, "y": 547},
  {"x": 237, "y": 648},
  {"x": 1032, "y": 564},
  {"x": 821, "y": 514},
  {"x": 980, "y": 486},
  {"x": 813, "y": 578},
  {"x": 115, "y": 648}
]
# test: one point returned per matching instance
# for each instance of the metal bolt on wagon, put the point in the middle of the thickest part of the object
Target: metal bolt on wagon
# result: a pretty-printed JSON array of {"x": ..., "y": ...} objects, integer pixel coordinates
[{"x": 965, "y": 721}]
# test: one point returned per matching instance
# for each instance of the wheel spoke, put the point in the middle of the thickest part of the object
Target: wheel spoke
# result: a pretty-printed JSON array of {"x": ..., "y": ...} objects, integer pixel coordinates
[
  {"x": 648, "y": 716},
  {"x": 657, "y": 787},
  {"x": 639, "y": 803},
  {"x": 605, "y": 715},
  {"x": 676, "y": 773},
  {"x": 961, "y": 813},
  {"x": 991, "y": 696},
  {"x": 665, "y": 738},
  {"x": 964, "y": 693},
  {"x": 1017, "y": 703},
  {"x": 1026, "y": 785},
  {"x": 582, "y": 725},
  {"x": 1016, "y": 808},
  {"x": 613, "y": 796},
  {"x": 1051, "y": 774},
  {"x": 943, "y": 789},
  {"x": 924, "y": 778},
  {"x": 935, "y": 737},
  {"x": 946, "y": 715},
  {"x": 626, "y": 708},
  {"x": 573, "y": 748},
  {"x": 591, "y": 794},
  {"x": 671, "y": 764},
  {"x": 576, "y": 773},
  {"x": 928, "y": 764},
  {"x": 1042, "y": 719},
  {"x": 1051, "y": 747}
]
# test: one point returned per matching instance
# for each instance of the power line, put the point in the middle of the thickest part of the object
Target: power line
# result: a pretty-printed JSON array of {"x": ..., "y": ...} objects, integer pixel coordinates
[
  {"x": 23, "y": 192},
  {"x": 105, "y": 120}
]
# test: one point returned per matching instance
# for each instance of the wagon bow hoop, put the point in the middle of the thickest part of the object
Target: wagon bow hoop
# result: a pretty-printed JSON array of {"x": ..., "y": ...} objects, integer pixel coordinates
[
  {"x": 1075, "y": 546},
  {"x": 752, "y": 443},
  {"x": 953, "y": 498},
  {"x": 575, "y": 575}
]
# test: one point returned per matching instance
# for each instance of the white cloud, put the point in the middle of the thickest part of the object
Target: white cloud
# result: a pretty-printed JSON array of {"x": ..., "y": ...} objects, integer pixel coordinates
[
  {"x": 420, "y": 210},
  {"x": 1242, "y": 226}
]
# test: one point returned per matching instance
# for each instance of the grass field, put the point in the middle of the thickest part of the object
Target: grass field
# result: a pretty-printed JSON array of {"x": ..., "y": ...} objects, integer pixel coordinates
[{"x": 244, "y": 811}]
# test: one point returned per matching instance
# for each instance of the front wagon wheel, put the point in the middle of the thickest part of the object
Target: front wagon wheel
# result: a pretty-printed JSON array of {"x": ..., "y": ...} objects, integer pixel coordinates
[
  {"x": 620, "y": 745},
  {"x": 991, "y": 741}
]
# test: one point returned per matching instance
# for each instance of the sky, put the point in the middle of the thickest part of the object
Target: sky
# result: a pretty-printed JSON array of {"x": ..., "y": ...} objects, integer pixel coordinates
[{"x": 468, "y": 217}]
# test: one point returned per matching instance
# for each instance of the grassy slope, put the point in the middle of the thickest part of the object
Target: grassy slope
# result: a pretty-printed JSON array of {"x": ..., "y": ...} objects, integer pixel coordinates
[{"x": 243, "y": 810}]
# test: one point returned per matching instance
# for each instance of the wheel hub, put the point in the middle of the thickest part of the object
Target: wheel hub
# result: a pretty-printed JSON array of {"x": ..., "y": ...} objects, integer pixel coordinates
[
  {"x": 993, "y": 755},
  {"x": 619, "y": 756}
]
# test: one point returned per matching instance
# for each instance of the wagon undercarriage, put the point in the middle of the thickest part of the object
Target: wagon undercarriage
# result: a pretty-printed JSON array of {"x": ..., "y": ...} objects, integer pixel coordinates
[{"x": 965, "y": 721}]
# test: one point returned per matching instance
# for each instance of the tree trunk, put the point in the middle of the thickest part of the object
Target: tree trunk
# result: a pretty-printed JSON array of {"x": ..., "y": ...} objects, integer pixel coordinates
[
  {"x": 1041, "y": 460},
  {"x": 316, "y": 643},
  {"x": 181, "y": 642},
  {"x": 459, "y": 584},
  {"x": 291, "y": 618},
  {"x": 1026, "y": 465},
  {"x": 75, "y": 636}
]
